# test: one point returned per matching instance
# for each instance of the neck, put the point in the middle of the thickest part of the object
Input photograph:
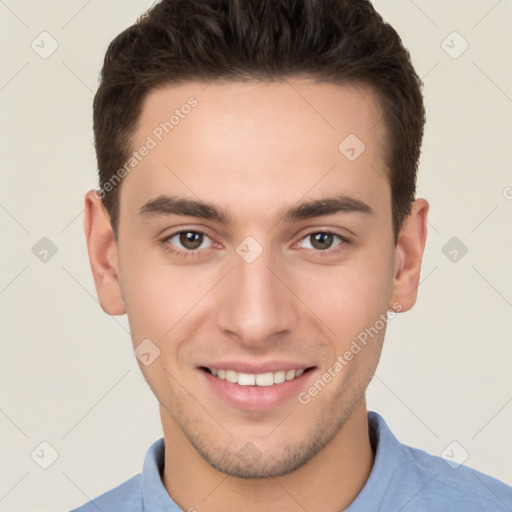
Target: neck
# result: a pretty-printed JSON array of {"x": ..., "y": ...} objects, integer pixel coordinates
[{"x": 328, "y": 482}]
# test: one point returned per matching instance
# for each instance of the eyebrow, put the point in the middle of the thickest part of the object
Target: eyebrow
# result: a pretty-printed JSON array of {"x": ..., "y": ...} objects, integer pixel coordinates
[{"x": 174, "y": 205}]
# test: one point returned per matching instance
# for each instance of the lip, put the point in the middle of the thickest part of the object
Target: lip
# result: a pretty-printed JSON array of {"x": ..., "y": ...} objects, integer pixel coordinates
[
  {"x": 256, "y": 398},
  {"x": 264, "y": 367}
]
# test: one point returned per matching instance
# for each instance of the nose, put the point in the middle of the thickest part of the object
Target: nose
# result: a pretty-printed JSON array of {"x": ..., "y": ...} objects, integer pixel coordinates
[{"x": 257, "y": 304}]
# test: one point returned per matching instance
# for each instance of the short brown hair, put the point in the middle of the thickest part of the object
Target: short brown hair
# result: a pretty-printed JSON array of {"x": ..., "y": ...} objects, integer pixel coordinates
[{"x": 334, "y": 41}]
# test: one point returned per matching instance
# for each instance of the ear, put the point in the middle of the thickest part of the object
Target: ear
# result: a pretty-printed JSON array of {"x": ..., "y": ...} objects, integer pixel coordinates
[
  {"x": 103, "y": 257},
  {"x": 408, "y": 255}
]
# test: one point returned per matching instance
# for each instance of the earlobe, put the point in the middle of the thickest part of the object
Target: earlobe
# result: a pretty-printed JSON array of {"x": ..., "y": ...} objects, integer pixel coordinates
[
  {"x": 103, "y": 258},
  {"x": 408, "y": 256}
]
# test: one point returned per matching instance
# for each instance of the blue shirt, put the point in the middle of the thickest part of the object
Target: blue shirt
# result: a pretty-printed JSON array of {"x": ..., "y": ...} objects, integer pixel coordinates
[{"x": 402, "y": 479}]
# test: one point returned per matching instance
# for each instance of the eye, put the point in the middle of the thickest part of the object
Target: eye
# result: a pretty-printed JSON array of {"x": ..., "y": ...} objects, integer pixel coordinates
[
  {"x": 323, "y": 240},
  {"x": 187, "y": 242}
]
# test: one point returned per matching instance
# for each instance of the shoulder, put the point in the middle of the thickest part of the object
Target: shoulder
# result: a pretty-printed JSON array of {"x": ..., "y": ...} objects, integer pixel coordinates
[
  {"x": 411, "y": 480},
  {"x": 126, "y": 497},
  {"x": 458, "y": 487}
]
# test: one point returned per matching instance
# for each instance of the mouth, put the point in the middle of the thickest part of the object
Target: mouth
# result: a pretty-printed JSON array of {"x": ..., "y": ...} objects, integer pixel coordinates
[
  {"x": 265, "y": 379},
  {"x": 256, "y": 386}
]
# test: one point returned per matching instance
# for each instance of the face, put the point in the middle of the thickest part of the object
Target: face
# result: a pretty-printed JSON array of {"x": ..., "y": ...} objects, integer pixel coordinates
[{"x": 254, "y": 248}]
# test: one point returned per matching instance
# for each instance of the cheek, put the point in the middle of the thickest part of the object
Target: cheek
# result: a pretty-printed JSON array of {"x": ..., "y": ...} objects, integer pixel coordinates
[
  {"x": 158, "y": 301},
  {"x": 145, "y": 292},
  {"x": 348, "y": 297},
  {"x": 159, "y": 296},
  {"x": 152, "y": 306}
]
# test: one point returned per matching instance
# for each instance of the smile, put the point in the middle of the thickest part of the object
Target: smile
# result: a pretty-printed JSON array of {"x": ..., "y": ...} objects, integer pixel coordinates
[
  {"x": 256, "y": 387},
  {"x": 259, "y": 379}
]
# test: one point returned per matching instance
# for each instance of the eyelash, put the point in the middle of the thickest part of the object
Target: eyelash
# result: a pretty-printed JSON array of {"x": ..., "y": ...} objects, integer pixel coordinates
[{"x": 196, "y": 252}]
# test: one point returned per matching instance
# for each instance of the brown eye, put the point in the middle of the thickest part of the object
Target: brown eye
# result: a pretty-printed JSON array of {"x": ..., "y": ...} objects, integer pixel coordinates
[
  {"x": 191, "y": 239},
  {"x": 187, "y": 242},
  {"x": 323, "y": 240}
]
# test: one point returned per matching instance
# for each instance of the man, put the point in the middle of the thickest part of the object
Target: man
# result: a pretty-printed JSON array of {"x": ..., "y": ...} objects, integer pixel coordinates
[{"x": 256, "y": 219}]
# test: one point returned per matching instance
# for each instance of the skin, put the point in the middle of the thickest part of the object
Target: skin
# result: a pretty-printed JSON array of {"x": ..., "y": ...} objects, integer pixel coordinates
[{"x": 254, "y": 149}]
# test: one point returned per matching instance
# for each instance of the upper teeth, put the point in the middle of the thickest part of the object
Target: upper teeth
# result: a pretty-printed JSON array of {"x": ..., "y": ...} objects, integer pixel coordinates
[{"x": 260, "y": 379}]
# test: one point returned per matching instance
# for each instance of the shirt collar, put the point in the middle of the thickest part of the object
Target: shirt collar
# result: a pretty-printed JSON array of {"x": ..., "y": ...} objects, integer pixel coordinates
[
  {"x": 154, "y": 495},
  {"x": 388, "y": 458}
]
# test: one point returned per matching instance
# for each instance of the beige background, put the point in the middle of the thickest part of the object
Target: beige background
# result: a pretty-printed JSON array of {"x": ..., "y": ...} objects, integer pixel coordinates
[{"x": 68, "y": 373}]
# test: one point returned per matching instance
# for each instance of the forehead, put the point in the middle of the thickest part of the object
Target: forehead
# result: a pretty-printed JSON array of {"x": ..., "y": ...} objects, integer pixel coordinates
[
  {"x": 259, "y": 142},
  {"x": 288, "y": 109}
]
